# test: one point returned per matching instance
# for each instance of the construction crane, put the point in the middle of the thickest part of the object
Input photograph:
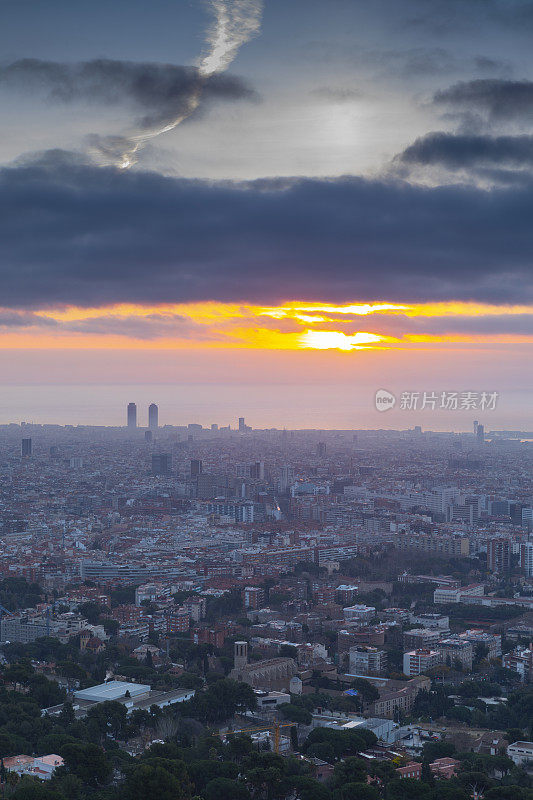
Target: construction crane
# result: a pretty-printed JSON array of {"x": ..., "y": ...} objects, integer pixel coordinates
[{"x": 275, "y": 726}]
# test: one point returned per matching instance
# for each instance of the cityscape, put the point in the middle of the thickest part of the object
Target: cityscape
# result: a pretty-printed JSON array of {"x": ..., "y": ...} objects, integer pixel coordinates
[
  {"x": 266, "y": 419},
  {"x": 332, "y": 608}
]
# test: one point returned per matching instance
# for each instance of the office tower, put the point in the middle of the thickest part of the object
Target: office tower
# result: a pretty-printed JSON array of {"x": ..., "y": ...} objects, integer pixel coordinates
[
  {"x": 321, "y": 449},
  {"x": 161, "y": 464},
  {"x": 527, "y": 518},
  {"x": 54, "y": 451},
  {"x": 25, "y": 448},
  {"x": 499, "y": 555},
  {"x": 196, "y": 467},
  {"x": 132, "y": 415},
  {"x": 480, "y": 433},
  {"x": 153, "y": 417},
  {"x": 242, "y": 425},
  {"x": 257, "y": 471},
  {"x": 148, "y": 436},
  {"x": 287, "y": 477},
  {"x": 526, "y": 558},
  {"x": 476, "y": 423}
]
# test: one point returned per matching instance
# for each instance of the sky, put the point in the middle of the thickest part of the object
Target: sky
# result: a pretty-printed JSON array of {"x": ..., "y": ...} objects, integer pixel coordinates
[{"x": 281, "y": 196}]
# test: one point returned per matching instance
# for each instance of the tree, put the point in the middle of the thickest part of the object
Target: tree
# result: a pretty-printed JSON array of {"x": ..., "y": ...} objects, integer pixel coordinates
[
  {"x": 154, "y": 782},
  {"x": 407, "y": 789},
  {"x": 88, "y": 762},
  {"x": 433, "y": 750},
  {"x": 307, "y": 788},
  {"x": 30, "y": 789},
  {"x": 359, "y": 791},
  {"x": 296, "y": 714},
  {"x": 110, "y": 717},
  {"x": 368, "y": 691},
  {"x": 288, "y": 651},
  {"x": 351, "y": 770},
  {"x": 226, "y": 789}
]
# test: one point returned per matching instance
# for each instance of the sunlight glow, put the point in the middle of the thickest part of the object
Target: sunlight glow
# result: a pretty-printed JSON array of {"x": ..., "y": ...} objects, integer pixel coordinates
[{"x": 335, "y": 340}]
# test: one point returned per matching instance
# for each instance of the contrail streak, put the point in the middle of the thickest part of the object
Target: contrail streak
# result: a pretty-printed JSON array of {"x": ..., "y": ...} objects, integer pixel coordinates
[{"x": 235, "y": 23}]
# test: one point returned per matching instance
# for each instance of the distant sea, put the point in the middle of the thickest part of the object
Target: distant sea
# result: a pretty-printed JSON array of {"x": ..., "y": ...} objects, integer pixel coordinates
[{"x": 319, "y": 406}]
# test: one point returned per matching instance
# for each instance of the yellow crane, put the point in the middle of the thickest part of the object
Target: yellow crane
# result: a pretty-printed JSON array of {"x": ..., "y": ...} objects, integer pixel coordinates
[{"x": 275, "y": 726}]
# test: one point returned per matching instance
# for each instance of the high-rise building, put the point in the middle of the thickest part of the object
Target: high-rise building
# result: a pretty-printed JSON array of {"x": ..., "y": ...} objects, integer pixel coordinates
[
  {"x": 476, "y": 423},
  {"x": 153, "y": 417},
  {"x": 161, "y": 464},
  {"x": 527, "y": 518},
  {"x": 499, "y": 555},
  {"x": 287, "y": 477},
  {"x": 321, "y": 449},
  {"x": 526, "y": 558},
  {"x": 196, "y": 467},
  {"x": 132, "y": 415},
  {"x": 25, "y": 448},
  {"x": 242, "y": 425},
  {"x": 148, "y": 436},
  {"x": 257, "y": 471},
  {"x": 480, "y": 432}
]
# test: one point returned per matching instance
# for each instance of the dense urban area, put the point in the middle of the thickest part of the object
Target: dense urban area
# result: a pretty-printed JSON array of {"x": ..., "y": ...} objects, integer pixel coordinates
[{"x": 225, "y": 613}]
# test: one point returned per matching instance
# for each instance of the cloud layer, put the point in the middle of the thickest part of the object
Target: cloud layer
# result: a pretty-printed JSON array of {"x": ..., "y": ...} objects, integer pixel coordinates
[
  {"x": 71, "y": 233},
  {"x": 159, "y": 92},
  {"x": 462, "y": 151},
  {"x": 496, "y": 100}
]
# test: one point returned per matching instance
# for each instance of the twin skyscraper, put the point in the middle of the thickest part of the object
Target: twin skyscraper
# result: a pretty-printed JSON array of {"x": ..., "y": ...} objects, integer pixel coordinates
[{"x": 153, "y": 416}]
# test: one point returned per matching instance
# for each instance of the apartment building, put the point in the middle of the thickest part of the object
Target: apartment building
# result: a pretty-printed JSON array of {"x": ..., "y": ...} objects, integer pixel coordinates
[{"x": 417, "y": 662}]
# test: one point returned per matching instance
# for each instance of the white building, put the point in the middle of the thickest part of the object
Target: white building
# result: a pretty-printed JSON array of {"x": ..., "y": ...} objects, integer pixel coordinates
[
  {"x": 361, "y": 612},
  {"x": 453, "y": 649},
  {"x": 431, "y": 621},
  {"x": 367, "y": 660},
  {"x": 461, "y": 595},
  {"x": 492, "y": 641},
  {"x": 417, "y": 662},
  {"x": 521, "y": 753}
]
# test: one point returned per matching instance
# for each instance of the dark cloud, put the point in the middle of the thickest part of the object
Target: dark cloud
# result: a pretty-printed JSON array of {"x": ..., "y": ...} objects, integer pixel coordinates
[
  {"x": 151, "y": 326},
  {"x": 73, "y": 233},
  {"x": 23, "y": 319},
  {"x": 160, "y": 92},
  {"x": 496, "y": 99},
  {"x": 463, "y": 151}
]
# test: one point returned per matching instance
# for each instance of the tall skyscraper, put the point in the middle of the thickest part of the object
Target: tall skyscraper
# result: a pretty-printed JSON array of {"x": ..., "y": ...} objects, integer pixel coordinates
[
  {"x": 132, "y": 415},
  {"x": 196, "y": 467},
  {"x": 287, "y": 477},
  {"x": 242, "y": 424},
  {"x": 161, "y": 464},
  {"x": 499, "y": 555},
  {"x": 153, "y": 417},
  {"x": 476, "y": 423},
  {"x": 25, "y": 448},
  {"x": 480, "y": 433},
  {"x": 526, "y": 557}
]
